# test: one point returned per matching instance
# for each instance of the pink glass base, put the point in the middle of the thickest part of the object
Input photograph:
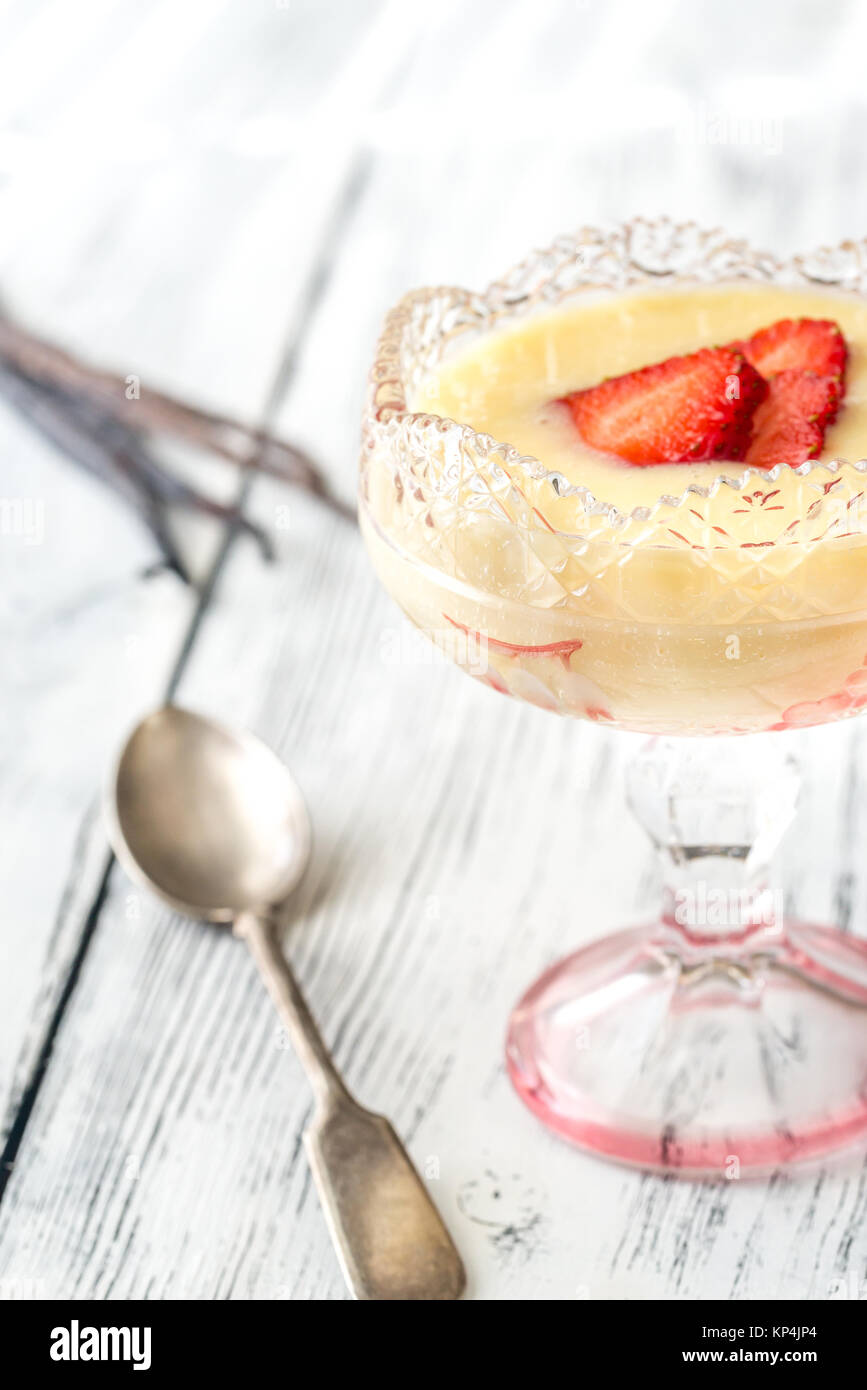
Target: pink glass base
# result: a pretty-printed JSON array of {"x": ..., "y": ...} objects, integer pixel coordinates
[{"x": 650, "y": 1049}]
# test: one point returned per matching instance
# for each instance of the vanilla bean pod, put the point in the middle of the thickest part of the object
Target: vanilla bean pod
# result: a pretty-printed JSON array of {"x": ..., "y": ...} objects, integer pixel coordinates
[
  {"x": 132, "y": 455},
  {"x": 127, "y": 400},
  {"x": 53, "y": 420}
]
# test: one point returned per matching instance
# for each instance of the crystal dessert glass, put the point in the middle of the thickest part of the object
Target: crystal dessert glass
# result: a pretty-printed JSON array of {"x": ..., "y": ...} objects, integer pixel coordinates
[{"x": 721, "y": 1037}]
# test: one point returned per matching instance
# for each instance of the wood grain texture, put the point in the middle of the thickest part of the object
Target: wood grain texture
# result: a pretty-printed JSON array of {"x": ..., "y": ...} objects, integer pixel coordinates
[
  {"x": 158, "y": 274},
  {"x": 462, "y": 842},
  {"x": 93, "y": 631}
]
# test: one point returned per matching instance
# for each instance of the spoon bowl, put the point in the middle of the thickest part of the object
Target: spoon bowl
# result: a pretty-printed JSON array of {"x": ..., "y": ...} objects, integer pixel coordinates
[{"x": 208, "y": 817}]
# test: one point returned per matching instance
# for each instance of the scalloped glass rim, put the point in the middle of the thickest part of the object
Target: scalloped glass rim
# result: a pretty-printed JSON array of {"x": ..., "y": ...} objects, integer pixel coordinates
[{"x": 619, "y": 257}]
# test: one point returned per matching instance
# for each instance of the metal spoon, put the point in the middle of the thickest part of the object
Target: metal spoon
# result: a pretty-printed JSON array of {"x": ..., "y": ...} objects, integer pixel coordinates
[{"x": 212, "y": 821}]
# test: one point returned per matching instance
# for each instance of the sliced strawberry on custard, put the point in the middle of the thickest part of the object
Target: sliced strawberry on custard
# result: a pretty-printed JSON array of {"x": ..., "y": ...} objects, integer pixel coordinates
[
  {"x": 684, "y": 410},
  {"x": 789, "y": 426},
  {"x": 805, "y": 345}
]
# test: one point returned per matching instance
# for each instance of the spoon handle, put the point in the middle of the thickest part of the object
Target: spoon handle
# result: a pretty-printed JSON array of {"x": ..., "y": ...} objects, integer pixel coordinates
[
  {"x": 262, "y": 937},
  {"x": 390, "y": 1239}
]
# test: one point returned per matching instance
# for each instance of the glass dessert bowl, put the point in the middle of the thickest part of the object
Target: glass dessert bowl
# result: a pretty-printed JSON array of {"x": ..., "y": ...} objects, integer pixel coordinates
[{"x": 713, "y": 597}]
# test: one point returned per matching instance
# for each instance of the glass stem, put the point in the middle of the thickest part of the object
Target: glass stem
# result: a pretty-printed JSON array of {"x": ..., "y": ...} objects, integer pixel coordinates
[{"x": 716, "y": 810}]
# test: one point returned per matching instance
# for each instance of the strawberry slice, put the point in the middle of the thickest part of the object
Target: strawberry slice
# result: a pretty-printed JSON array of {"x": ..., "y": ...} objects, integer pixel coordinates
[
  {"x": 806, "y": 345},
  {"x": 684, "y": 410},
  {"x": 789, "y": 427}
]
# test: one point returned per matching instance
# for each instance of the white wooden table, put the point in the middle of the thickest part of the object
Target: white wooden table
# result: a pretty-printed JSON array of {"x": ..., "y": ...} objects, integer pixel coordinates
[{"x": 225, "y": 198}]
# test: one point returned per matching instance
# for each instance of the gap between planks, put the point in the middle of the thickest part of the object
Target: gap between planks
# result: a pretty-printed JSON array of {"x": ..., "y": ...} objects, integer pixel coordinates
[{"x": 316, "y": 284}]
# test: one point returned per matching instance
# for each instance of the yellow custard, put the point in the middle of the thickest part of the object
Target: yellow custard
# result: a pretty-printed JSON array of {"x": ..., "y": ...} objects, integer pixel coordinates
[
  {"x": 504, "y": 384},
  {"x": 664, "y": 602}
]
